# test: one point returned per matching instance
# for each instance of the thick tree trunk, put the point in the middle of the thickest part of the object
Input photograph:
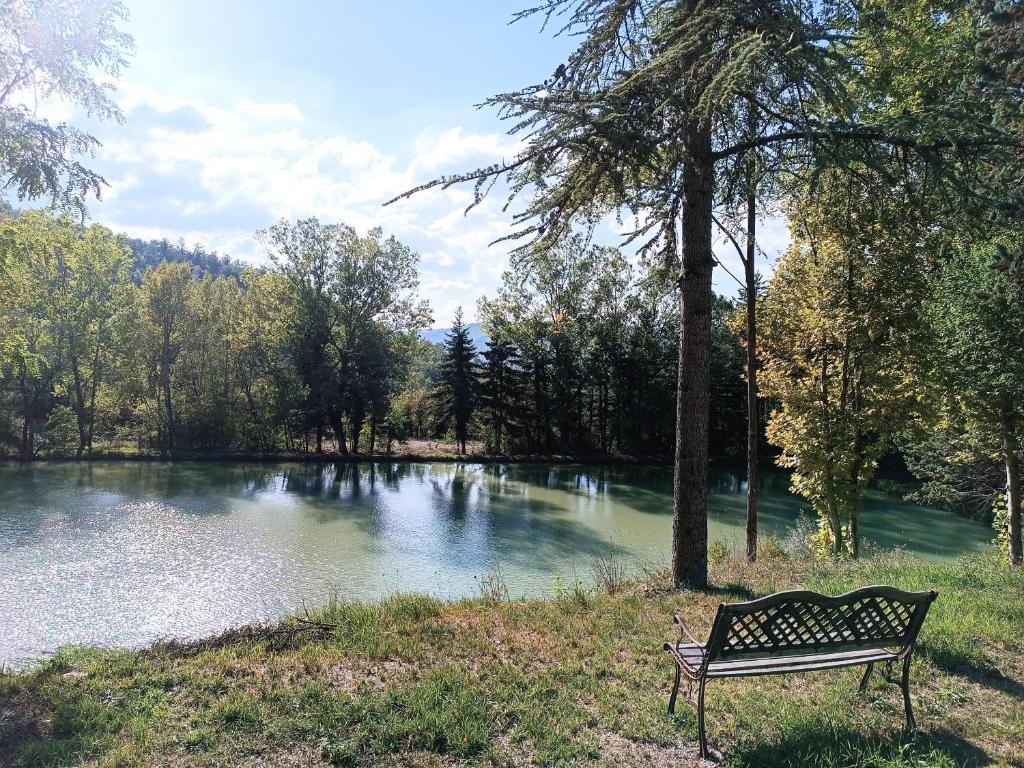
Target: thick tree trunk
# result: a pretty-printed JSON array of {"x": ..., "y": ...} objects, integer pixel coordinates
[
  {"x": 338, "y": 425},
  {"x": 1013, "y": 491},
  {"x": 753, "y": 420},
  {"x": 373, "y": 429},
  {"x": 690, "y": 522}
]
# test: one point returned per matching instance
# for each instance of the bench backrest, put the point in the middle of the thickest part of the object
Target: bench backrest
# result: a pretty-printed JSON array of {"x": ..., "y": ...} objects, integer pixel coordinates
[{"x": 799, "y": 622}]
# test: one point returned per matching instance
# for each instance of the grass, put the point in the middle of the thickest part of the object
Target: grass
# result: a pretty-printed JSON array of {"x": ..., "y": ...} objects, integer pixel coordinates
[{"x": 576, "y": 680}]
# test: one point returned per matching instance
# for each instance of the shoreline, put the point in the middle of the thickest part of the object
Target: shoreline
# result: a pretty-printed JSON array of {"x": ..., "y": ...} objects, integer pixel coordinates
[{"x": 335, "y": 458}]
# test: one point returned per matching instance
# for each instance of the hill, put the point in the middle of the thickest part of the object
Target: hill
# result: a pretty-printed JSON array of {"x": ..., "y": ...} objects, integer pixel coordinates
[
  {"x": 149, "y": 253},
  {"x": 476, "y": 333}
]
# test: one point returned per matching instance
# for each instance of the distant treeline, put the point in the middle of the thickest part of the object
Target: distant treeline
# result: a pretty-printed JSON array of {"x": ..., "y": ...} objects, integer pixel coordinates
[
  {"x": 126, "y": 346},
  {"x": 581, "y": 358},
  {"x": 149, "y": 254}
]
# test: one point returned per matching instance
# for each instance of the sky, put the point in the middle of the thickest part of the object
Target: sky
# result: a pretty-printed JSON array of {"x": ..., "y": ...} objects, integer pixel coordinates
[{"x": 238, "y": 114}]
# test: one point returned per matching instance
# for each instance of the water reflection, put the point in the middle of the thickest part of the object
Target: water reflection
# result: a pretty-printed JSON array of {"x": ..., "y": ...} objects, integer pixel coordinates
[{"x": 123, "y": 553}]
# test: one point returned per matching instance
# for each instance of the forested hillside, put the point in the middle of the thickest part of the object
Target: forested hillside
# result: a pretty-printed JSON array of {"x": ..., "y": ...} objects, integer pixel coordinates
[{"x": 148, "y": 254}]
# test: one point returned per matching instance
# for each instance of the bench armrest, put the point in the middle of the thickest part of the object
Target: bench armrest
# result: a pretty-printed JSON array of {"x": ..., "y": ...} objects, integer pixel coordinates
[{"x": 684, "y": 631}]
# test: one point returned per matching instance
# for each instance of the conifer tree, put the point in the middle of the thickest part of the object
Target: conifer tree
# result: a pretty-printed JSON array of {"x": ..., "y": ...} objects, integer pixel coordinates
[
  {"x": 457, "y": 388},
  {"x": 500, "y": 389}
]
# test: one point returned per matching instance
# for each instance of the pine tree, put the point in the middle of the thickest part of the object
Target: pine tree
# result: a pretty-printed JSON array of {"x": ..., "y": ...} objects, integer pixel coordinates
[
  {"x": 456, "y": 393},
  {"x": 500, "y": 389}
]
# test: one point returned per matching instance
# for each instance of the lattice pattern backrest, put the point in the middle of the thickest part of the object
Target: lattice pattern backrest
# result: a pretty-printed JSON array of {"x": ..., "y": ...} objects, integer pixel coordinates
[{"x": 795, "y": 622}]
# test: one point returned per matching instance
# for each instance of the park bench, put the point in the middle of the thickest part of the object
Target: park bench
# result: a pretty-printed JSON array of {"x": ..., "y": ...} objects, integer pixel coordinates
[{"x": 801, "y": 631}]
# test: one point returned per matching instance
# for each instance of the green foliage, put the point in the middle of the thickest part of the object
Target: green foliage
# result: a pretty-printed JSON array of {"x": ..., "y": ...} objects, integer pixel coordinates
[
  {"x": 64, "y": 285},
  {"x": 975, "y": 377},
  {"x": 65, "y": 49},
  {"x": 189, "y": 361},
  {"x": 588, "y": 351},
  {"x": 349, "y": 306}
]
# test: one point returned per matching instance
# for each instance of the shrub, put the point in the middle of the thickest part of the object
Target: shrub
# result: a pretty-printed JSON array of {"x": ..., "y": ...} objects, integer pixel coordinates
[
  {"x": 718, "y": 552},
  {"x": 609, "y": 573},
  {"x": 492, "y": 586},
  {"x": 770, "y": 547}
]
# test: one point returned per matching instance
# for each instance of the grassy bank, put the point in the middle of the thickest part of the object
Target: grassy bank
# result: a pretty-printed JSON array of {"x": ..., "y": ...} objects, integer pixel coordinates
[{"x": 576, "y": 680}]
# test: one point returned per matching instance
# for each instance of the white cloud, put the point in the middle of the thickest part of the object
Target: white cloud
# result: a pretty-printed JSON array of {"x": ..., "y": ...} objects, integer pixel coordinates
[{"x": 186, "y": 169}]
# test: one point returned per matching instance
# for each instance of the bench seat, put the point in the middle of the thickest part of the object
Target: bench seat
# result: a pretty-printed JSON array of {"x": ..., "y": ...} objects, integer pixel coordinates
[{"x": 691, "y": 656}]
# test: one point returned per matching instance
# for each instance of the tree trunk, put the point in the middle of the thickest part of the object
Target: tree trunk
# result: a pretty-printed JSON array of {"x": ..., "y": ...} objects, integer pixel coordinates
[
  {"x": 855, "y": 534},
  {"x": 1013, "y": 490},
  {"x": 753, "y": 420},
  {"x": 338, "y": 425},
  {"x": 165, "y": 382},
  {"x": 358, "y": 417},
  {"x": 690, "y": 522},
  {"x": 92, "y": 394},
  {"x": 373, "y": 429},
  {"x": 76, "y": 375}
]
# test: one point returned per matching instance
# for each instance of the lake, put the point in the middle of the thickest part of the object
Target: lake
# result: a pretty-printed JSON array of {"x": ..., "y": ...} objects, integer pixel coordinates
[{"x": 123, "y": 553}]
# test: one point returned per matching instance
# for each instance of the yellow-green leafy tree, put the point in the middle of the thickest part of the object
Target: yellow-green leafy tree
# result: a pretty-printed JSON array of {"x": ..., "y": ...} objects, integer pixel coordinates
[
  {"x": 839, "y": 326},
  {"x": 62, "y": 285}
]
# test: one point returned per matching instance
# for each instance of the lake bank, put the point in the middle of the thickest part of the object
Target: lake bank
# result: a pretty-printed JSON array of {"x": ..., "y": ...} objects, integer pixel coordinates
[{"x": 576, "y": 680}]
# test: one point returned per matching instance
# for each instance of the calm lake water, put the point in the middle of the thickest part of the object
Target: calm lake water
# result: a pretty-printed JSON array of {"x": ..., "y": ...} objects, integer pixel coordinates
[{"x": 114, "y": 553}]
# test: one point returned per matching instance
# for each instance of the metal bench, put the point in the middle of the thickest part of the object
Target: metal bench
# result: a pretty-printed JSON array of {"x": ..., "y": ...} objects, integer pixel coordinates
[{"x": 802, "y": 631}]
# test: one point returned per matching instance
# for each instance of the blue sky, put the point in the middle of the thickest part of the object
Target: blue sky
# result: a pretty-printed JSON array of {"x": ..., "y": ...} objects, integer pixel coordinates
[{"x": 240, "y": 113}]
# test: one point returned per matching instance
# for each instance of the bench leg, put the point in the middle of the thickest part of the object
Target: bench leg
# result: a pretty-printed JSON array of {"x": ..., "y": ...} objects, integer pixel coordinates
[
  {"x": 701, "y": 734},
  {"x": 905, "y": 685},
  {"x": 867, "y": 675},
  {"x": 675, "y": 692}
]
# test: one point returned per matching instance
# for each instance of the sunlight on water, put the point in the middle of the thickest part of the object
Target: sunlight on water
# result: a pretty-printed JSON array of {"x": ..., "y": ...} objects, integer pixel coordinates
[{"x": 124, "y": 553}]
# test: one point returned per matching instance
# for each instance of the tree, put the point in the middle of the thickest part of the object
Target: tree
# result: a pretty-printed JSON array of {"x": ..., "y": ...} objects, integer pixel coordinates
[
  {"x": 650, "y": 113},
  {"x": 976, "y": 371},
  {"x": 52, "y": 48},
  {"x": 163, "y": 307},
  {"x": 457, "y": 388},
  {"x": 62, "y": 285},
  {"x": 349, "y": 298},
  {"x": 91, "y": 286},
  {"x": 500, "y": 388},
  {"x": 260, "y": 361},
  {"x": 839, "y": 329},
  {"x": 31, "y": 363}
]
